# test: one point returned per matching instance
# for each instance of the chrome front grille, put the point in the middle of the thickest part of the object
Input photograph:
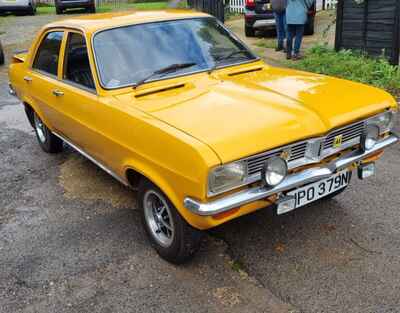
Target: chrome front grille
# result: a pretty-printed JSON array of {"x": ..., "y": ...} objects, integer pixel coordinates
[
  {"x": 309, "y": 151},
  {"x": 295, "y": 152},
  {"x": 349, "y": 133}
]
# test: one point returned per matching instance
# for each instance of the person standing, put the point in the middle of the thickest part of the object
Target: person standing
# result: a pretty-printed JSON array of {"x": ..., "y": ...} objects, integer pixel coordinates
[
  {"x": 296, "y": 18},
  {"x": 279, "y": 9}
]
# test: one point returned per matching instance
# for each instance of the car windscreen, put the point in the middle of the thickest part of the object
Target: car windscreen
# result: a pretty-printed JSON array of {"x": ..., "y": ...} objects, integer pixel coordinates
[{"x": 128, "y": 54}]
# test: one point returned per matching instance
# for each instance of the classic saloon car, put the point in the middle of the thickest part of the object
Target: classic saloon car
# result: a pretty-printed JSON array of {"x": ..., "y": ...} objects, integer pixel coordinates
[{"x": 174, "y": 105}]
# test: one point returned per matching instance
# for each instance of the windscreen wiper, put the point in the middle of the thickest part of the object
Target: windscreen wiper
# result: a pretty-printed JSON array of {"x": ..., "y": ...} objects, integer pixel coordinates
[
  {"x": 226, "y": 57},
  {"x": 168, "y": 69}
]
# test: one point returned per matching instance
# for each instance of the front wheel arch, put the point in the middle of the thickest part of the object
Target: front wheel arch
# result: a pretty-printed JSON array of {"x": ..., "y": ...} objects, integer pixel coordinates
[{"x": 135, "y": 177}]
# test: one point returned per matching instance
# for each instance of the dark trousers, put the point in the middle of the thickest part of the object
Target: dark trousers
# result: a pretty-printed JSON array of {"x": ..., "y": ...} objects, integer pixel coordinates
[
  {"x": 296, "y": 32},
  {"x": 280, "y": 20}
]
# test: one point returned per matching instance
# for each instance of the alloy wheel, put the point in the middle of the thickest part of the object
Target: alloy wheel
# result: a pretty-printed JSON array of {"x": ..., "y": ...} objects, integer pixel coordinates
[{"x": 158, "y": 218}]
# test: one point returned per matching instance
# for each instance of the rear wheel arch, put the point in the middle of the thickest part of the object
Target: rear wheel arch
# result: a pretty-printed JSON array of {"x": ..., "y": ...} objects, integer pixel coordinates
[
  {"x": 30, "y": 108},
  {"x": 29, "y": 113}
]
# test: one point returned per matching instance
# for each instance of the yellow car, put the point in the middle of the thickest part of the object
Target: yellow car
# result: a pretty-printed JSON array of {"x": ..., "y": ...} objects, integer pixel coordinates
[{"x": 173, "y": 104}]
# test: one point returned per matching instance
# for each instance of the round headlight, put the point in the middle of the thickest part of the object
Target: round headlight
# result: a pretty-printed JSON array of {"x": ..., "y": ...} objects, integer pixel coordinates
[
  {"x": 275, "y": 171},
  {"x": 370, "y": 137}
]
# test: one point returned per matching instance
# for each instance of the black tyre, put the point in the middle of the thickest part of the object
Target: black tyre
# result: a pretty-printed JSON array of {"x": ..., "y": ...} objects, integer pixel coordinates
[
  {"x": 32, "y": 10},
  {"x": 1, "y": 55},
  {"x": 92, "y": 9},
  {"x": 59, "y": 10},
  {"x": 171, "y": 236},
  {"x": 249, "y": 31},
  {"x": 309, "y": 28},
  {"x": 48, "y": 142}
]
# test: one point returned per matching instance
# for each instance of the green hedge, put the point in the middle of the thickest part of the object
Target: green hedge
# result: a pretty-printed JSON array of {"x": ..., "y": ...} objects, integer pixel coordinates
[{"x": 351, "y": 65}]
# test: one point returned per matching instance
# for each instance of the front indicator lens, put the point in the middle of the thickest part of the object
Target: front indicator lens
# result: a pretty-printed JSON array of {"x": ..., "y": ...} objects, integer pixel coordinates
[
  {"x": 275, "y": 171},
  {"x": 370, "y": 137},
  {"x": 227, "y": 177}
]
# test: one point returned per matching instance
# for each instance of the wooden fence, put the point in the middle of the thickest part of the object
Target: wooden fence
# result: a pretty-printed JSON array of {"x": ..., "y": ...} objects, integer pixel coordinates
[
  {"x": 213, "y": 7},
  {"x": 371, "y": 26}
]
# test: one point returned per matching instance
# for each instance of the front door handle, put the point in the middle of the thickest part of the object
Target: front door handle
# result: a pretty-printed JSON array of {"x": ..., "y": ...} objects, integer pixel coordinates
[
  {"x": 58, "y": 93},
  {"x": 28, "y": 79}
]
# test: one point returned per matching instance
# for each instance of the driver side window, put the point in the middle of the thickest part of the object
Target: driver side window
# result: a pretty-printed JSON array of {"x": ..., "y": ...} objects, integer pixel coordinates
[{"x": 76, "y": 65}]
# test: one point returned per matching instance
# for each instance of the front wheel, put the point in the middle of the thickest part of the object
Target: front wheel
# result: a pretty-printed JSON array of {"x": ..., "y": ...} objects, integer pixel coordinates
[
  {"x": 172, "y": 237},
  {"x": 47, "y": 140}
]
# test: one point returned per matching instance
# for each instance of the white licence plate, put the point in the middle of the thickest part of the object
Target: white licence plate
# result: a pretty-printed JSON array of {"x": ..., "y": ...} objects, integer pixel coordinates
[{"x": 320, "y": 189}]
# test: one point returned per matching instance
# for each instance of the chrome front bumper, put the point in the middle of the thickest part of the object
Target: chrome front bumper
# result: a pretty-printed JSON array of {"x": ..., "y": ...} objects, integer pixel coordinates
[{"x": 292, "y": 181}]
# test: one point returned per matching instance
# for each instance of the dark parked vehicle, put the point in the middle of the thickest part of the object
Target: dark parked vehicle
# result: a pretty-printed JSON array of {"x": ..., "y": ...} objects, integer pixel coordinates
[
  {"x": 62, "y": 5},
  {"x": 18, "y": 7},
  {"x": 259, "y": 16}
]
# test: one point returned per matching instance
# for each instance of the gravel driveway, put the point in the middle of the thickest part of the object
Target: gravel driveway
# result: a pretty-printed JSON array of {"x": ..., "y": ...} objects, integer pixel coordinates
[{"x": 71, "y": 239}]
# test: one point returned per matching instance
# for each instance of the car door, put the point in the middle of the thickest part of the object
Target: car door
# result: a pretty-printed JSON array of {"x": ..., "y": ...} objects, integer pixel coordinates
[
  {"x": 81, "y": 115},
  {"x": 42, "y": 77}
]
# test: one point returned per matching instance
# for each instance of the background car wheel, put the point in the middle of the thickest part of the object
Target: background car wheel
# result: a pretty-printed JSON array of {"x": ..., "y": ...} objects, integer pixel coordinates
[
  {"x": 48, "y": 142},
  {"x": 1, "y": 55},
  {"x": 309, "y": 28},
  {"x": 92, "y": 9},
  {"x": 32, "y": 10},
  {"x": 59, "y": 11},
  {"x": 249, "y": 31},
  {"x": 172, "y": 237}
]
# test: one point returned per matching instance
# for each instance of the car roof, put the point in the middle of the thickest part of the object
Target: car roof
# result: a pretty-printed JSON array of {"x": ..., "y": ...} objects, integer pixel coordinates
[{"x": 94, "y": 22}]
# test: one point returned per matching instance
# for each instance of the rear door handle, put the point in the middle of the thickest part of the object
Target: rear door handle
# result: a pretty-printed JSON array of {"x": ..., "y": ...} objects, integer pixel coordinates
[
  {"x": 28, "y": 79},
  {"x": 58, "y": 93}
]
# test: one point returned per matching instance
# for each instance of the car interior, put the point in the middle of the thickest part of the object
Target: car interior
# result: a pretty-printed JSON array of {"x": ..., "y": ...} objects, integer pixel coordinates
[
  {"x": 48, "y": 53},
  {"x": 77, "y": 66}
]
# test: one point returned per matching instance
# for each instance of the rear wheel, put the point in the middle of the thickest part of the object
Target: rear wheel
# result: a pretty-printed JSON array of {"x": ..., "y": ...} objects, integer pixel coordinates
[
  {"x": 171, "y": 236},
  {"x": 47, "y": 140},
  {"x": 59, "y": 10},
  {"x": 249, "y": 31}
]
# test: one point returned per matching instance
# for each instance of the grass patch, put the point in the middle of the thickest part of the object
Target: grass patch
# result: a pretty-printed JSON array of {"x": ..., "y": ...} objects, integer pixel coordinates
[
  {"x": 108, "y": 7},
  {"x": 351, "y": 65},
  {"x": 266, "y": 43}
]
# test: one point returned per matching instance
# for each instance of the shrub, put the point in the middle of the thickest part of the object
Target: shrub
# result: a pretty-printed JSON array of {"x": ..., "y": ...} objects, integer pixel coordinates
[{"x": 351, "y": 65}]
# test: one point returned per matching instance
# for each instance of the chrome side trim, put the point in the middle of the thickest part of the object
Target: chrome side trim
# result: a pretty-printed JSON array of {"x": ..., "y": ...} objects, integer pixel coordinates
[
  {"x": 292, "y": 181},
  {"x": 89, "y": 157}
]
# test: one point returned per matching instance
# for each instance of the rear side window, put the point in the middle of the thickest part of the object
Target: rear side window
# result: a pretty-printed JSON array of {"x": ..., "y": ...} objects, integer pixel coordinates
[
  {"x": 47, "y": 56},
  {"x": 76, "y": 64}
]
